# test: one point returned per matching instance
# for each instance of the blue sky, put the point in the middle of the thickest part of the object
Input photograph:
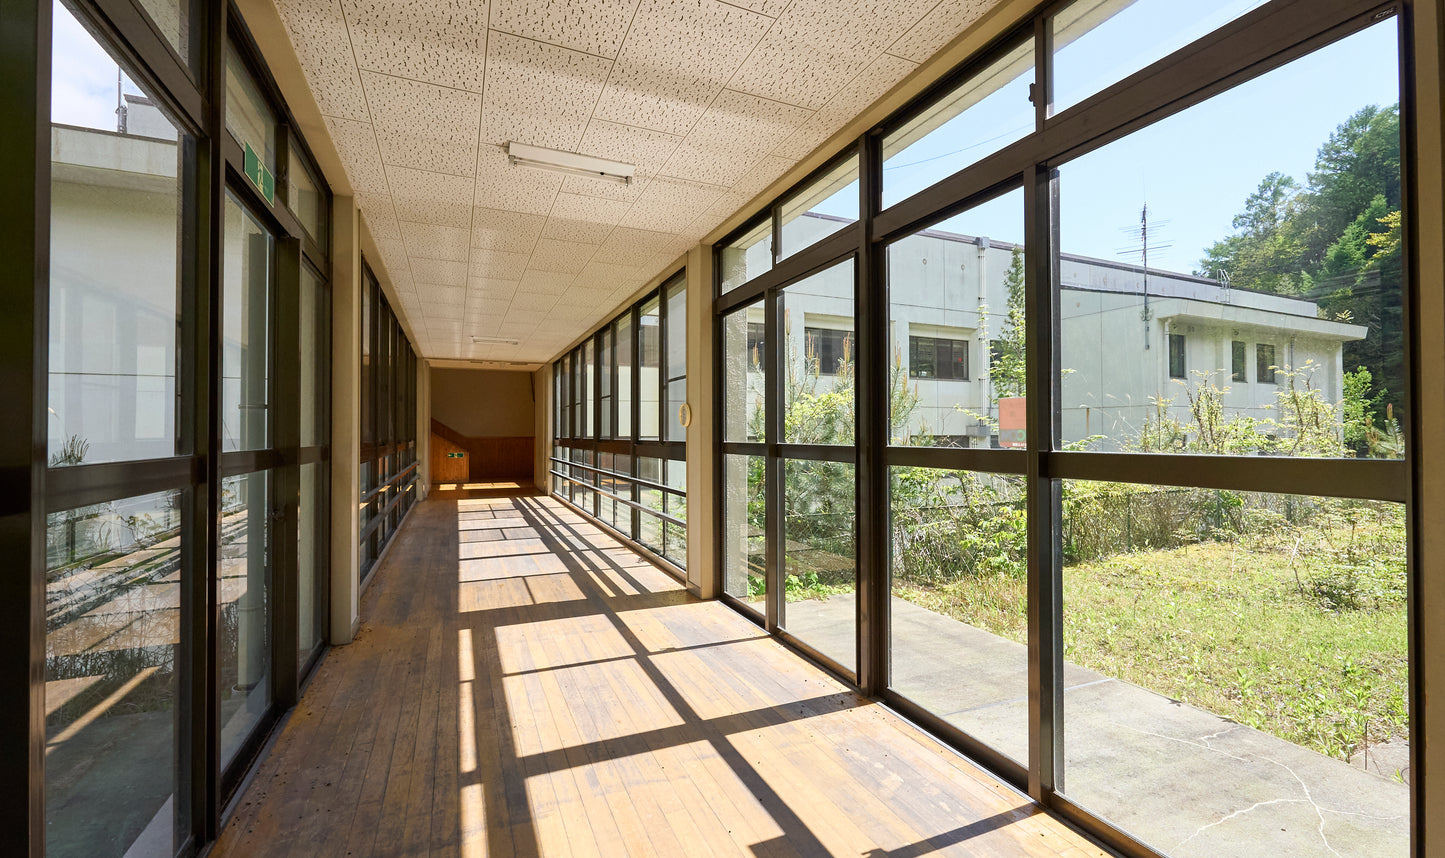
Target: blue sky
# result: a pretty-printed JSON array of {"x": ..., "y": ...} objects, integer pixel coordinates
[{"x": 82, "y": 78}]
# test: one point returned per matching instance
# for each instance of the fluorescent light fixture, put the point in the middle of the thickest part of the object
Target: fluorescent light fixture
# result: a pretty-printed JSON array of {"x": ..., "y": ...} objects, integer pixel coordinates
[
  {"x": 523, "y": 155},
  {"x": 501, "y": 341}
]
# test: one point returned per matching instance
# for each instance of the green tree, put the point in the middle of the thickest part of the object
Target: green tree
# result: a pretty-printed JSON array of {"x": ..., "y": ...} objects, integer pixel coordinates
[{"x": 1009, "y": 368}]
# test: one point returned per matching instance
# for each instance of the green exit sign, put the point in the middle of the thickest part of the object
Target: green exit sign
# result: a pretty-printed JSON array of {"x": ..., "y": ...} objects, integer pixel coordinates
[
  {"x": 456, "y": 455},
  {"x": 260, "y": 176}
]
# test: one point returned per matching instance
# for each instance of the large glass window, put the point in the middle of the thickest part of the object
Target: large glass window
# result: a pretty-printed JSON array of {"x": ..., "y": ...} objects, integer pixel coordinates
[
  {"x": 623, "y": 332},
  {"x": 113, "y": 678},
  {"x": 243, "y": 580},
  {"x": 985, "y": 113},
  {"x": 649, "y": 350},
  {"x": 821, "y": 209},
  {"x": 115, "y": 230},
  {"x": 676, "y": 384},
  {"x": 819, "y": 354},
  {"x": 746, "y": 257},
  {"x": 1282, "y": 236},
  {"x": 246, "y": 325},
  {"x": 744, "y": 376}
]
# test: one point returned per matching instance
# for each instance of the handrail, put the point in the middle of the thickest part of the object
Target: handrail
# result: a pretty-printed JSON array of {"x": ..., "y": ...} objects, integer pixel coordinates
[
  {"x": 647, "y": 484},
  {"x": 637, "y": 506}
]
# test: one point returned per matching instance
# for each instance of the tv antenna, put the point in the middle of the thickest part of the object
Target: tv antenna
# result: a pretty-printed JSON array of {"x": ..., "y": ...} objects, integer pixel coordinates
[{"x": 1139, "y": 246}]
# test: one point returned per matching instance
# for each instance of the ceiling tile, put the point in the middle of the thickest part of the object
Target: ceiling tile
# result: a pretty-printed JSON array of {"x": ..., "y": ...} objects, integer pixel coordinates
[
  {"x": 596, "y": 209},
  {"x": 939, "y": 27},
  {"x": 393, "y": 254},
  {"x": 431, "y": 241},
  {"x": 539, "y": 94},
  {"x": 561, "y": 256},
  {"x": 572, "y": 229},
  {"x": 488, "y": 307},
  {"x": 548, "y": 282},
  {"x": 439, "y": 271},
  {"x": 594, "y": 26},
  {"x": 664, "y": 78},
  {"x": 644, "y": 149},
  {"x": 533, "y": 301},
  {"x": 424, "y": 126},
  {"x": 528, "y": 319},
  {"x": 495, "y": 229},
  {"x": 356, "y": 144},
  {"x": 626, "y": 246},
  {"x": 762, "y": 174},
  {"x": 484, "y": 325},
  {"x": 668, "y": 202},
  {"x": 498, "y": 264},
  {"x": 436, "y": 293},
  {"x": 318, "y": 33},
  {"x": 439, "y": 41},
  {"x": 600, "y": 275},
  {"x": 817, "y": 46},
  {"x": 486, "y": 287},
  {"x": 503, "y": 186},
  {"x": 379, "y": 214},
  {"x": 870, "y": 85},
  {"x": 731, "y": 136},
  {"x": 603, "y": 189},
  {"x": 422, "y": 196}
]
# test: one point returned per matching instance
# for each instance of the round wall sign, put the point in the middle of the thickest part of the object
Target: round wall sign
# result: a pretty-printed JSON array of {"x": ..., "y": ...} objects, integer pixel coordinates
[{"x": 684, "y": 415}]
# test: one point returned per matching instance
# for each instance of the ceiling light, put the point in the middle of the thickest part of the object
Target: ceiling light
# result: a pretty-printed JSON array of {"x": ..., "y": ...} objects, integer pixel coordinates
[
  {"x": 501, "y": 341},
  {"x": 522, "y": 155}
]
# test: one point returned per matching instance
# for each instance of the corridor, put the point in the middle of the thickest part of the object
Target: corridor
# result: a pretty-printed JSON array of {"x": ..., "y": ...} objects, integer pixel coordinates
[{"x": 525, "y": 685}]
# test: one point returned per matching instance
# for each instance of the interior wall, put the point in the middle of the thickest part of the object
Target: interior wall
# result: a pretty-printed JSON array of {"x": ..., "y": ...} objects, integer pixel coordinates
[{"x": 482, "y": 425}]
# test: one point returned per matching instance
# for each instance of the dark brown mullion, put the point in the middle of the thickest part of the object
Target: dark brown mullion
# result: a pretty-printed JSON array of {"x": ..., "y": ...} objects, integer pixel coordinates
[
  {"x": 83, "y": 485},
  {"x": 275, "y": 215},
  {"x": 800, "y": 265},
  {"x": 1045, "y": 612},
  {"x": 1366, "y": 479},
  {"x": 149, "y": 57},
  {"x": 25, "y": 56},
  {"x": 205, "y": 696},
  {"x": 847, "y": 454},
  {"x": 286, "y": 480},
  {"x": 983, "y": 180},
  {"x": 873, "y": 429},
  {"x": 981, "y": 459},
  {"x": 634, "y": 523},
  {"x": 744, "y": 448},
  {"x": 773, "y": 496}
]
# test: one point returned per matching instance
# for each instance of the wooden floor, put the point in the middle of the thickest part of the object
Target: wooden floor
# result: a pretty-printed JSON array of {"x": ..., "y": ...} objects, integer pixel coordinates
[{"x": 524, "y": 685}]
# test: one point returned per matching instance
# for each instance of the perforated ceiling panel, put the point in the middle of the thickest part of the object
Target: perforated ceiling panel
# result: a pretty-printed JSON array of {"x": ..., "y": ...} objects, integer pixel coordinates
[{"x": 710, "y": 101}]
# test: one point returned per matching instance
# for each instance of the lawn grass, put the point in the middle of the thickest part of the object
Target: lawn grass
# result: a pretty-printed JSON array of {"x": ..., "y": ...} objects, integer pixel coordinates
[{"x": 1300, "y": 633}]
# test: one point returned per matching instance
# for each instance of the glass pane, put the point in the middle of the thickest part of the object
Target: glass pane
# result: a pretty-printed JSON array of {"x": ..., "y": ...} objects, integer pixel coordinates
[
  {"x": 248, "y": 116},
  {"x": 820, "y": 210},
  {"x": 1101, "y": 42},
  {"x": 624, "y": 376},
  {"x": 112, "y": 626},
  {"x": 312, "y": 592},
  {"x": 744, "y": 535},
  {"x": 1243, "y": 657},
  {"x": 820, "y": 567},
  {"x": 649, "y": 530},
  {"x": 605, "y": 363},
  {"x": 115, "y": 230},
  {"x": 676, "y": 360},
  {"x": 746, "y": 258},
  {"x": 986, "y": 113},
  {"x": 675, "y": 536},
  {"x": 246, "y": 330},
  {"x": 650, "y": 366},
  {"x": 956, "y": 292},
  {"x": 305, "y": 200},
  {"x": 959, "y": 601},
  {"x": 244, "y": 585},
  {"x": 744, "y": 375},
  {"x": 315, "y": 336},
  {"x": 588, "y": 391},
  {"x": 622, "y": 464},
  {"x": 1286, "y": 239},
  {"x": 818, "y": 352}
]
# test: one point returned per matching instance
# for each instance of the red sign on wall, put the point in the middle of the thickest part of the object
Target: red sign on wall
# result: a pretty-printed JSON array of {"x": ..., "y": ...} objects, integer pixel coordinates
[{"x": 1012, "y": 421}]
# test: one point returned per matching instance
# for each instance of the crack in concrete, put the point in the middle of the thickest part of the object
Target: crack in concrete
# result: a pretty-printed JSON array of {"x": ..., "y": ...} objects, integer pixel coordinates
[
  {"x": 1203, "y": 743},
  {"x": 1224, "y": 819}
]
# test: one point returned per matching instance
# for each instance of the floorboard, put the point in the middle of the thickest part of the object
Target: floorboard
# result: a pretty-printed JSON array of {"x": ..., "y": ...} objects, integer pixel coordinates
[{"x": 523, "y": 685}]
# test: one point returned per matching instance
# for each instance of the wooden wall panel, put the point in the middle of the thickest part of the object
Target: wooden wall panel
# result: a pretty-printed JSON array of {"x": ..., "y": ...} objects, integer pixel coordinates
[{"x": 484, "y": 459}]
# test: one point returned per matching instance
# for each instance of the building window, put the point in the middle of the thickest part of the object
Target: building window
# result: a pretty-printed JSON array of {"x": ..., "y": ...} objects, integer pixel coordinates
[
  {"x": 1176, "y": 355},
  {"x": 1236, "y": 361},
  {"x": 829, "y": 348},
  {"x": 1264, "y": 365},
  {"x": 937, "y": 357}
]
